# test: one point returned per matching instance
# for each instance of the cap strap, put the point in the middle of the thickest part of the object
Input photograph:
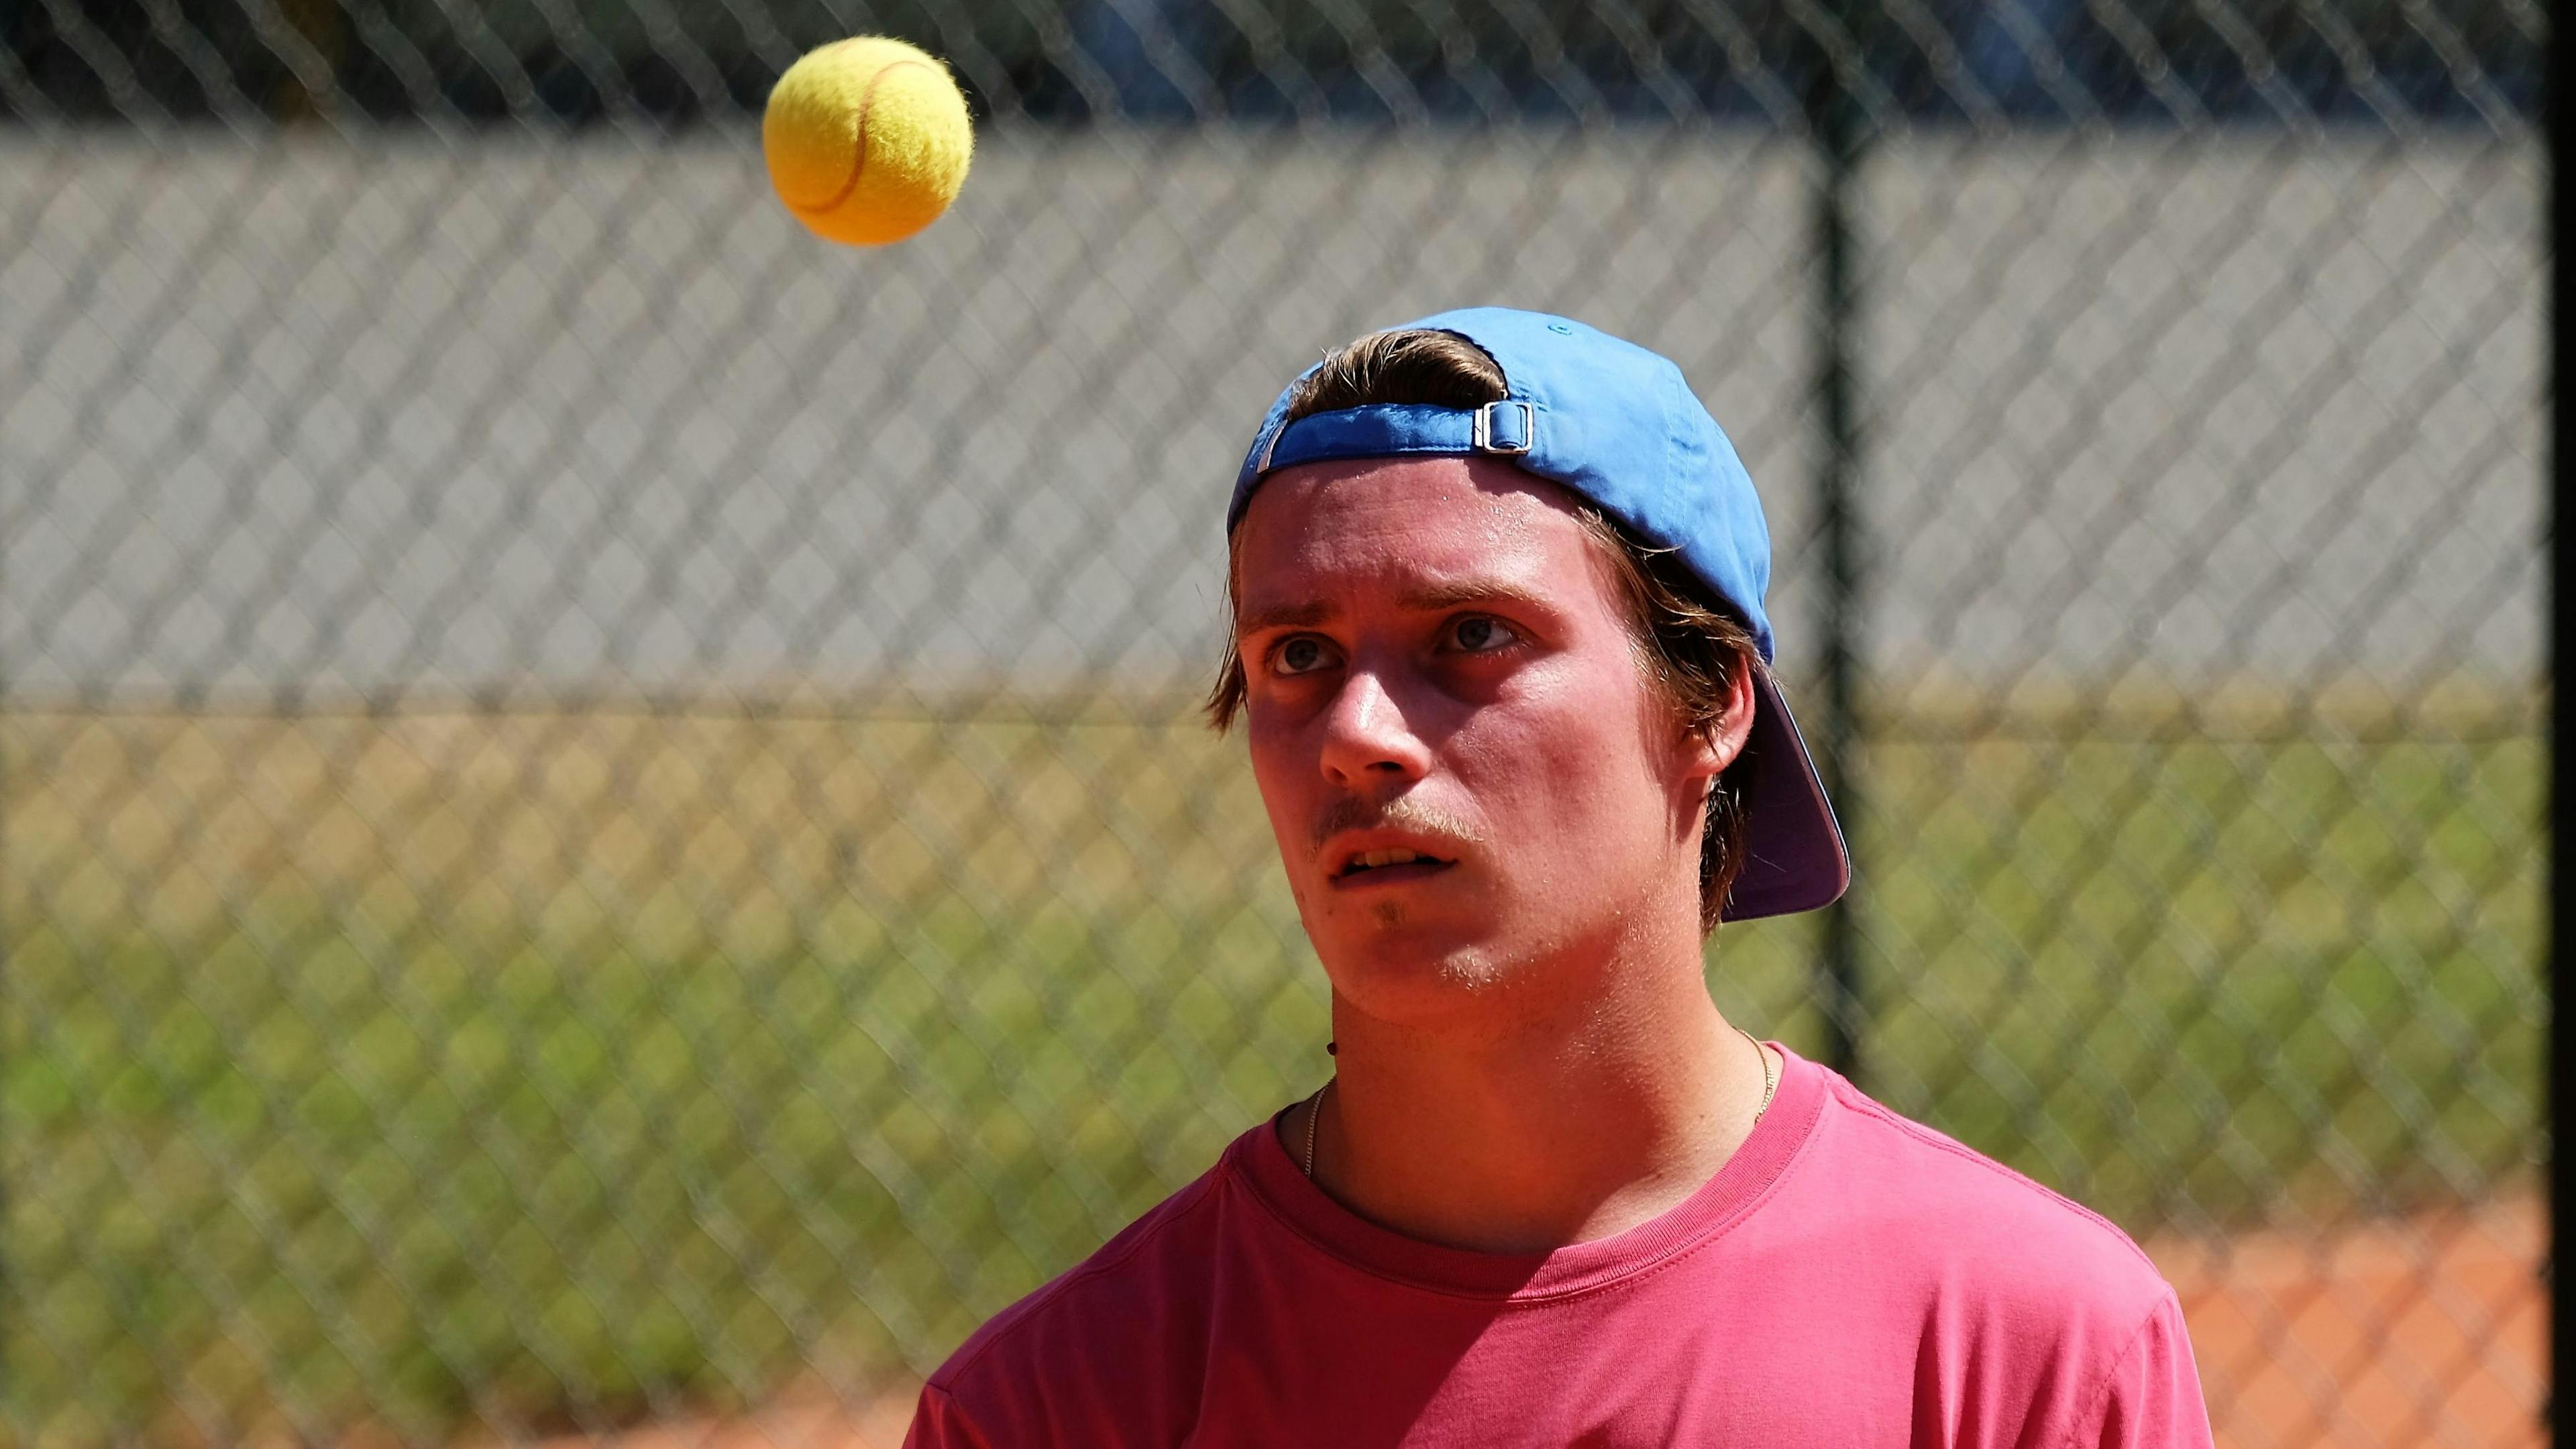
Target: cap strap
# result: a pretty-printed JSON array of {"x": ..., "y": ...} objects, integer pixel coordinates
[{"x": 1388, "y": 430}]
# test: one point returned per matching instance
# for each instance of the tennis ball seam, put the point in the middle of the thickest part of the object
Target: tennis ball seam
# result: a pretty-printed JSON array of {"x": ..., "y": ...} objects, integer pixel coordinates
[{"x": 859, "y": 155}]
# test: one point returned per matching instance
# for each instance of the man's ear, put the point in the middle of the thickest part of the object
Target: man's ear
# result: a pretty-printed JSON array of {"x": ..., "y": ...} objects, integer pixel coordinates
[{"x": 1715, "y": 745}]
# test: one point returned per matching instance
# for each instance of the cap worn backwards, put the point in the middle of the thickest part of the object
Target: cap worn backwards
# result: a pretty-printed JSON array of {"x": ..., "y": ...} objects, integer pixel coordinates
[{"x": 1619, "y": 426}]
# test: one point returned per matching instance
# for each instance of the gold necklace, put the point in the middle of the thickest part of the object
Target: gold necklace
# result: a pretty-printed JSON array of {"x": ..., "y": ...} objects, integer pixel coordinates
[
  {"x": 1314, "y": 1112},
  {"x": 1770, "y": 1087}
]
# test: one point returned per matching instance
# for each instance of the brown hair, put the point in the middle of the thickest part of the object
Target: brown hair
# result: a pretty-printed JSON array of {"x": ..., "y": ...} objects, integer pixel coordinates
[{"x": 1688, "y": 644}]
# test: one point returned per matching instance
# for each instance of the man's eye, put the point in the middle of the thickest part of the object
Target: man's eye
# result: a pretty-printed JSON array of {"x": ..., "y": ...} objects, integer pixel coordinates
[
  {"x": 1477, "y": 634},
  {"x": 1299, "y": 656}
]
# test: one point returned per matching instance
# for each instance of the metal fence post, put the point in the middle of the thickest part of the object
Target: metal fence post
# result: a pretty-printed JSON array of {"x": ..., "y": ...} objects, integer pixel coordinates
[
  {"x": 2556, "y": 1412},
  {"x": 1836, "y": 121}
]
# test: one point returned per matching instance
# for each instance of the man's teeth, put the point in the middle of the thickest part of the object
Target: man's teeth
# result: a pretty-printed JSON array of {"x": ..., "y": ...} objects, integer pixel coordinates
[{"x": 1387, "y": 857}]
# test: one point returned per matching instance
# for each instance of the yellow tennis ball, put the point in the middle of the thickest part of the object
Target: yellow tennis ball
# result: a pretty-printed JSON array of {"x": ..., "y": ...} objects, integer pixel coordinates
[{"x": 867, "y": 140}]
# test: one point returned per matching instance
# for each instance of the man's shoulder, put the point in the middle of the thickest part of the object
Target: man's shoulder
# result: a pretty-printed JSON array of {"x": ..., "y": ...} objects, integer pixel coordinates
[
  {"x": 1972, "y": 1227},
  {"x": 1996, "y": 1280},
  {"x": 1146, "y": 1274}
]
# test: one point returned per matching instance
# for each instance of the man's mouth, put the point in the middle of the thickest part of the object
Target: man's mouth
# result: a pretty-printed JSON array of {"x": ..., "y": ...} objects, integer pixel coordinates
[{"x": 1389, "y": 866}]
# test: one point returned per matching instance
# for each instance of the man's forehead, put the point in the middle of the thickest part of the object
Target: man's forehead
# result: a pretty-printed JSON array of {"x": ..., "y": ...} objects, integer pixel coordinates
[
  {"x": 1431, "y": 532},
  {"x": 1464, "y": 507}
]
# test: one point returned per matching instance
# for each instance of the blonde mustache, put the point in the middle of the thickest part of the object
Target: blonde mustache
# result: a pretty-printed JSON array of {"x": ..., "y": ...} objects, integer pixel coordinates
[{"x": 1401, "y": 813}]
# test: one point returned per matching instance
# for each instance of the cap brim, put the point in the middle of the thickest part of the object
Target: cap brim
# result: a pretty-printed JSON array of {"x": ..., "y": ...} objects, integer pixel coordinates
[{"x": 1794, "y": 855}]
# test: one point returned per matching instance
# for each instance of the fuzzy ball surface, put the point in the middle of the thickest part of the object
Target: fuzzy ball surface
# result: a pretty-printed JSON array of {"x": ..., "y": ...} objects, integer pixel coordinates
[{"x": 867, "y": 140}]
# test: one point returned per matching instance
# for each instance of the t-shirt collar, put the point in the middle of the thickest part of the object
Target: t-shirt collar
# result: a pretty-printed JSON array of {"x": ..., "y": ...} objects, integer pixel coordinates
[{"x": 1258, "y": 1159}]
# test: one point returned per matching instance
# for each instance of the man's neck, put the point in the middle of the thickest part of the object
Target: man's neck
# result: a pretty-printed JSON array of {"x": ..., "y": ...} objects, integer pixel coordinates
[{"x": 1565, "y": 1129}]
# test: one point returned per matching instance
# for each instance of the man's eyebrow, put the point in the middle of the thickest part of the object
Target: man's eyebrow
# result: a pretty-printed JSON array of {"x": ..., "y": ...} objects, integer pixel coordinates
[
  {"x": 1430, "y": 599},
  {"x": 1280, "y": 616},
  {"x": 1469, "y": 591}
]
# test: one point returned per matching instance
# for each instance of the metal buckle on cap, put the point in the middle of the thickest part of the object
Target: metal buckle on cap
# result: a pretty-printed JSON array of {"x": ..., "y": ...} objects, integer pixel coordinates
[{"x": 1485, "y": 427}]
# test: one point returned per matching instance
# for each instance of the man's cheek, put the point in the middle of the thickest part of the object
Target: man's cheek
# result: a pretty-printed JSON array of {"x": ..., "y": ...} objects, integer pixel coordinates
[{"x": 1279, "y": 800}]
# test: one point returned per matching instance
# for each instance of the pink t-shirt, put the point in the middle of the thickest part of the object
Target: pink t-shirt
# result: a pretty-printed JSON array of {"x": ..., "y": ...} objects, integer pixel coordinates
[{"x": 1848, "y": 1278}]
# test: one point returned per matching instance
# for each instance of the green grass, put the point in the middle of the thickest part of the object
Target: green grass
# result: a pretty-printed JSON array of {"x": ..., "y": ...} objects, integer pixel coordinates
[{"x": 398, "y": 1074}]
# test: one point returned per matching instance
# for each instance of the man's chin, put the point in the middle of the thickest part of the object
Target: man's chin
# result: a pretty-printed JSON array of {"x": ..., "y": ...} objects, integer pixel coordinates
[{"x": 1413, "y": 976}]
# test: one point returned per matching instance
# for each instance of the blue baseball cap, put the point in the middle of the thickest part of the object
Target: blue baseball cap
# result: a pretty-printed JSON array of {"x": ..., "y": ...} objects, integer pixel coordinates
[{"x": 1618, "y": 425}]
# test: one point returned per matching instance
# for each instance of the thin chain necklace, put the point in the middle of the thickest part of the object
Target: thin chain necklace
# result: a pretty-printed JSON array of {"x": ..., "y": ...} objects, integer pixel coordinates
[{"x": 1770, "y": 1088}]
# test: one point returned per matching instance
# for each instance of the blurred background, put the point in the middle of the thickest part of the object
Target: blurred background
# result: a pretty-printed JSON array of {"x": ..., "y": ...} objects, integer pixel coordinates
[{"x": 603, "y": 831}]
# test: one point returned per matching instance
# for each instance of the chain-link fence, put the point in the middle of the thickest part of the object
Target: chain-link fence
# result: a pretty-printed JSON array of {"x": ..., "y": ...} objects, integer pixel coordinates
[{"x": 604, "y": 824}]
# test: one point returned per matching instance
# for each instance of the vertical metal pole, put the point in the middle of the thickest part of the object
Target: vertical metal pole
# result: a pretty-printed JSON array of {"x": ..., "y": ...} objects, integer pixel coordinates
[
  {"x": 2560, "y": 1411},
  {"x": 1837, "y": 121}
]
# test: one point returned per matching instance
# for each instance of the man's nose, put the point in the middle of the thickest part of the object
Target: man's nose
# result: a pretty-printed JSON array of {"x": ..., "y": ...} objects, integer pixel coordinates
[{"x": 1367, "y": 740}]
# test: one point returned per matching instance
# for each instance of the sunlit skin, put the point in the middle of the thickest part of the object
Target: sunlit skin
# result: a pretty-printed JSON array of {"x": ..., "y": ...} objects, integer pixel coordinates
[{"x": 1438, "y": 660}]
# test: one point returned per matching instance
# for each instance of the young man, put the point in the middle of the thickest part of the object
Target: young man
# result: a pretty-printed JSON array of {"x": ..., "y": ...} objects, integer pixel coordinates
[{"x": 1500, "y": 653}]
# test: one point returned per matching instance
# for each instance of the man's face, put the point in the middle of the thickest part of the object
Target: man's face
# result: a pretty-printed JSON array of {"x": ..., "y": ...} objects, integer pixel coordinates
[{"x": 1438, "y": 662}]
